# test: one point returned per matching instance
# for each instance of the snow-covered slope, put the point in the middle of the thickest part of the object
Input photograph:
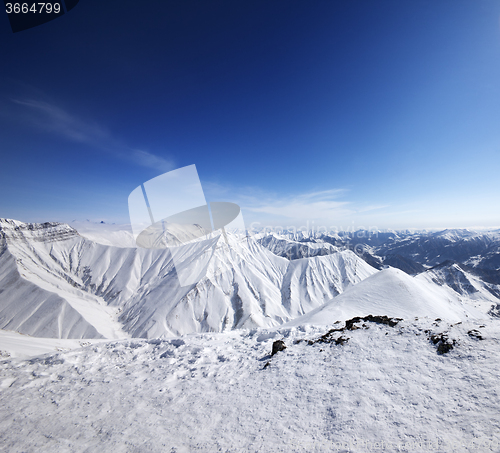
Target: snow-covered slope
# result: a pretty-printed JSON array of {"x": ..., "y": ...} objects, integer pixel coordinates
[
  {"x": 385, "y": 389},
  {"x": 392, "y": 292},
  {"x": 30, "y": 309},
  {"x": 50, "y": 296},
  {"x": 122, "y": 291},
  {"x": 105, "y": 233},
  {"x": 310, "y": 280},
  {"x": 463, "y": 281},
  {"x": 18, "y": 345}
]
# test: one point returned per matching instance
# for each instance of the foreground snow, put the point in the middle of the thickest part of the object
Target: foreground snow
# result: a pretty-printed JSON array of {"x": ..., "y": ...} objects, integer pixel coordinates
[{"x": 385, "y": 389}]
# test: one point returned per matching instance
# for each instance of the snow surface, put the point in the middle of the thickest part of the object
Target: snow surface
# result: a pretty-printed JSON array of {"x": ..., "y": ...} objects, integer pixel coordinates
[
  {"x": 385, "y": 389},
  {"x": 285, "y": 247},
  {"x": 18, "y": 345},
  {"x": 478, "y": 293},
  {"x": 393, "y": 293},
  {"x": 118, "y": 235}
]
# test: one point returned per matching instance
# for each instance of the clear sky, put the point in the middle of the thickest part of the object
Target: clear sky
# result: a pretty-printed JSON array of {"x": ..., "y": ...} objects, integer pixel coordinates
[{"x": 342, "y": 113}]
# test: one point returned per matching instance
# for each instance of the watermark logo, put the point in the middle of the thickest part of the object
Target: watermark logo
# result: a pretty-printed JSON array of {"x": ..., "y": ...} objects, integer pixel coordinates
[{"x": 170, "y": 211}]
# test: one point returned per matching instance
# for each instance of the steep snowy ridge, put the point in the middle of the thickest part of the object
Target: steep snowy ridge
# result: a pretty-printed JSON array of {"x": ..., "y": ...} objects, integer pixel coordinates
[
  {"x": 50, "y": 262},
  {"x": 321, "y": 279},
  {"x": 27, "y": 308},
  {"x": 35, "y": 232},
  {"x": 245, "y": 286},
  {"x": 131, "y": 291}
]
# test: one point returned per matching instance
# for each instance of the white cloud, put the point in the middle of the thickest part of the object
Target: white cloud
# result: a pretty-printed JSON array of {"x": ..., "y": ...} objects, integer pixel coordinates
[
  {"x": 54, "y": 119},
  {"x": 304, "y": 206},
  {"x": 147, "y": 159},
  {"x": 327, "y": 208}
]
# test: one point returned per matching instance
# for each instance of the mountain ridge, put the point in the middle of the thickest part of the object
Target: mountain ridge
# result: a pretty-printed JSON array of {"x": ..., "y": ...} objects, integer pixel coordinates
[{"x": 125, "y": 291}]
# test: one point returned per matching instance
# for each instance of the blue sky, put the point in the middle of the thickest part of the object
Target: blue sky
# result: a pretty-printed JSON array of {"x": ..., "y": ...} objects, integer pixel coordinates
[{"x": 328, "y": 113}]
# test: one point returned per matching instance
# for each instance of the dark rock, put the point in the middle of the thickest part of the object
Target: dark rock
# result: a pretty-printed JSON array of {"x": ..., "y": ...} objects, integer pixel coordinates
[
  {"x": 278, "y": 345},
  {"x": 349, "y": 324},
  {"x": 328, "y": 337},
  {"x": 495, "y": 311},
  {"x": 341, "y": 340},
  {"x": 443, "y": 348},
  {"x": 475, "y": 334},
  {"x": 444, "y": 344}
]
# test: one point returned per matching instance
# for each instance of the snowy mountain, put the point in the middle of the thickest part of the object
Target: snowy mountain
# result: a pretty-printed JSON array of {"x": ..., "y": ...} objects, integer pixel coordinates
[
  {"x": 463, "y": 246},
  {"x": 412, "y": 252},
  {"x": 392, "y": 292},
  {"x": 407, "y": 265},
  {"x": 292, "y": 249},
  {"x": 105, "y": 233},
  {"x": 56, "y": 283},
  {"x": 467, "y": 282}
]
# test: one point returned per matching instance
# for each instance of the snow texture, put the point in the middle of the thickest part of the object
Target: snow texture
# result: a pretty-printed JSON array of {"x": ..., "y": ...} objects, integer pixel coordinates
[{"x": 384, "y": 389}]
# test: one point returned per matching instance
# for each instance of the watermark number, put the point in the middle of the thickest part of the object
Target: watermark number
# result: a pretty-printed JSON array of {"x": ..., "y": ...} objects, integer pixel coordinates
[{"x": 24, "y": 8}]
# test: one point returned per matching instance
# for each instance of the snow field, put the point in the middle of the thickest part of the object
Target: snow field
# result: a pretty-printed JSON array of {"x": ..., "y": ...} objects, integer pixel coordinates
[{"x": 385, "y": 387}]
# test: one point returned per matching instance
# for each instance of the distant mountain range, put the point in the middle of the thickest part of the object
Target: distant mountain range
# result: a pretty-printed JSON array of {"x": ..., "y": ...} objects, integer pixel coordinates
[{"x": 410, "y": 252}]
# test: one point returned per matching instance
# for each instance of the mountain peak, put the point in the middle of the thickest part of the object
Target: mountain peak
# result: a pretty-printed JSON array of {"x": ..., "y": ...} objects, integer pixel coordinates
[
  {"x": 13, "y": 230},
  {"x": 390, "y": 292}
]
